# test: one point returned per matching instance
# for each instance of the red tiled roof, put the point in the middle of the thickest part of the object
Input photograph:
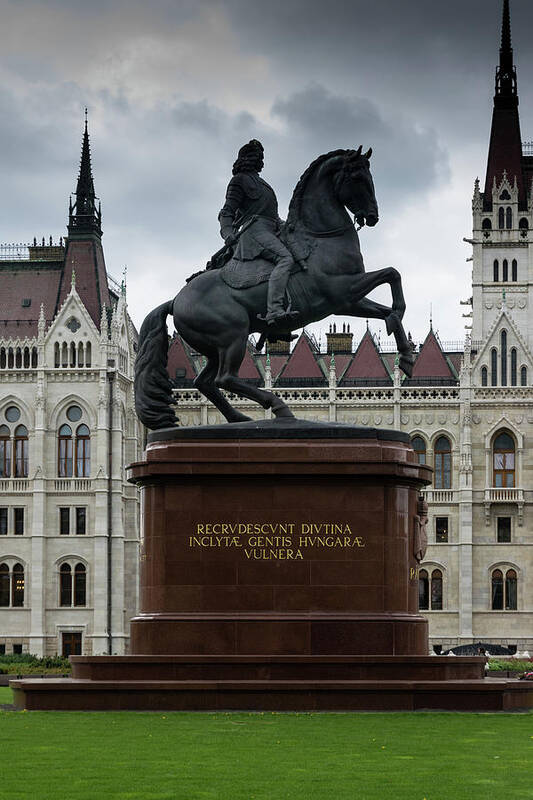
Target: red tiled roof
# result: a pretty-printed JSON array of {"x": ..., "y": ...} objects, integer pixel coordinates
[
  {"x": 505, "y": 151},
  {"x": 86, "y": 257},
  {"x": 248, "y": 368},
  {"x": 38, "y": 283},
  {"x": 302, "y": 361},
  {"x": 178, "y": 358},
  {"x": 341, "y": 362},
  {"x": 431, "y": 361},
  {"x": 366, "y": 362}
]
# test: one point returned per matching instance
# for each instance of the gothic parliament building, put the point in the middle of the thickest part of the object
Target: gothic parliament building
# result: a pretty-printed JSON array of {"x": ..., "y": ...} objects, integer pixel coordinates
[{"x": 69, "y": 522}]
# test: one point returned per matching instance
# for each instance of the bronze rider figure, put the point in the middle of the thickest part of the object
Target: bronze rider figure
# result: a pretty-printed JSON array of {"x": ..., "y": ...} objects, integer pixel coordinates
[{"x": 252, "y": 204}]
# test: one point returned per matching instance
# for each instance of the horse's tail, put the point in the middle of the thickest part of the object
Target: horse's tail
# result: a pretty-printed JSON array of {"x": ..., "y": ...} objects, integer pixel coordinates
[{"x": 153, "y": 390}]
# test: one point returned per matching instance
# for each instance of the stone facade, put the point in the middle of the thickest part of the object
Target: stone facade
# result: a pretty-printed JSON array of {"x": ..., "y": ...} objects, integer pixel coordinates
[{"x": 69, "y": 523}]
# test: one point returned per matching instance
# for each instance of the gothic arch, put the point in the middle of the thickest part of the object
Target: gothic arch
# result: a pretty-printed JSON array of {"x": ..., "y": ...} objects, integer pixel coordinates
[
  {"x": 64, "y": 403},
  {"x": 13, "y": 400},
  {"x": 504, "y": 424}
]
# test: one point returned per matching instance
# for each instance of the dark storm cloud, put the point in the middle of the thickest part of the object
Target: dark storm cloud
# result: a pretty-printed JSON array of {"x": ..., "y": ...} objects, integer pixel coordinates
[
  {"x": 407, "y": 159},
  {"x": 174, "y": 88}
]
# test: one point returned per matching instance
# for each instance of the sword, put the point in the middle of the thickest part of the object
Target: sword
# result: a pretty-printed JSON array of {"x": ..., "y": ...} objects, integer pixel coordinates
[{"x": 223, "y": 255}]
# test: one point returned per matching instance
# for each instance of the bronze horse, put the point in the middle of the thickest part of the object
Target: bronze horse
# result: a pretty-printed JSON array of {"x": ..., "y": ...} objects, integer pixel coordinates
[{"x": 217, "y": 319}]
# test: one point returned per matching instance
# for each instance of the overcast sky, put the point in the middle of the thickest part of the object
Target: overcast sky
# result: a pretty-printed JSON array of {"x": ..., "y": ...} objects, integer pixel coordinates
[{"x": 174, "y": 87}]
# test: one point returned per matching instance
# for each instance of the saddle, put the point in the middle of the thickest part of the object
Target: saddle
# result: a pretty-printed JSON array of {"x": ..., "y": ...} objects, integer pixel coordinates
[{"x": 240, "y": 274}]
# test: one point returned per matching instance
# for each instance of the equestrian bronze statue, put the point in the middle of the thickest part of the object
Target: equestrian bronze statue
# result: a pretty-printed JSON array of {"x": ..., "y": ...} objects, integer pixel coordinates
[{"x": 271, "y": 278}]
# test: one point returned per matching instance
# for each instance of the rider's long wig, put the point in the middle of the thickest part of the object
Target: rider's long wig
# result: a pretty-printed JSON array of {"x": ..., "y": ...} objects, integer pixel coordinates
[{"x": 250, "y": 158}]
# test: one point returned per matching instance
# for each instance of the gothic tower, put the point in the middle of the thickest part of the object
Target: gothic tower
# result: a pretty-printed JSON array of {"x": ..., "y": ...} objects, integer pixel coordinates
[
  {"x": 502, "y": 325},
  {"x": 84, "y": 254}
]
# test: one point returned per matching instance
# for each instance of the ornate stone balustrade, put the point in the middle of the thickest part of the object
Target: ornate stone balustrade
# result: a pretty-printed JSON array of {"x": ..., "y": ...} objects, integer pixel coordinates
[
  {"x": 72, "y": 485},
  {"x": 15, "y": 486}
]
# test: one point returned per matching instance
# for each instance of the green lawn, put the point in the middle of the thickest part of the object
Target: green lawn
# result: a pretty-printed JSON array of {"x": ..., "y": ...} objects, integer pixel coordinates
[{"x": 265, "y": 756}]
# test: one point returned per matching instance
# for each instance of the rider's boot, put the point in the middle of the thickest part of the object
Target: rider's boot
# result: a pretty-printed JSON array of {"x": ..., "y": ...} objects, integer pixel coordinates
[{"x": 277, "y": 316}]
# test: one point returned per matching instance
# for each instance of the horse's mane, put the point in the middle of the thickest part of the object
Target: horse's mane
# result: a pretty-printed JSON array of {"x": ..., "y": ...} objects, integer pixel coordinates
[{"x": 297, "y": 195}]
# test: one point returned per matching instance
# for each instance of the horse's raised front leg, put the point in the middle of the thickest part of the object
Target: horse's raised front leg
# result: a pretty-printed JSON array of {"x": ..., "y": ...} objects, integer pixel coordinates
[
  {"x": 205, "y": 383},
  {"x": 368, "y": 281},
  {"x": 227, "y": 378}
]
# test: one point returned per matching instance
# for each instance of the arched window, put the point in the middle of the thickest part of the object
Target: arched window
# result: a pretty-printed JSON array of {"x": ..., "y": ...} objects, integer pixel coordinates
[
  {"x": 436, "y": 590},
  {"x": 505, "y": 270},
  {"x": 83, "y": 452},
  {"x": 57, "y": 356},
  {"x": 80, "y": 355},
  {"x": 511, "y": 590},
  {"x": 72, "y": 354},
  {"x": 503, "y": 459},
  {"x": 64, "y": 458},
  {"x": 64, "y": 355},
  {"x": 4, "y": 586},
  {"x": 504, "y": 592},
  {"x": 493, "y": 367},
  {"x": 419, "y": 446},
  {"x": 17, "y": 586},
  {"x": 523, "y": 224},
  {"x": 508, "y": 217},
  {"x": 495, "y": 271},
  {"x": 514, "y": 270},
  {"x": 430, "y": 590},
  {"x": 484, "y": 376},
  {"x": 513, "y": 366},
  {"x": 80, "y": 585},
  {"x": 21, "y": 451},
  {"x": 503, "y": 357},
  {"x": 65, "y": 585},
  {"x": 423, "y": 590},
  {"x": 72, "y": 585},
  {"x": 443, "y": 464},
  {"x": 497, "y": 590},
  {"x": 486, "y": 224},
  {"x": 501, "y": 218},
  {"x": 88, "y": 354},
  {"x": 5, "y": 452},
  {"x": 11, "y": 586},
  {"x": 523, "y": 376}
]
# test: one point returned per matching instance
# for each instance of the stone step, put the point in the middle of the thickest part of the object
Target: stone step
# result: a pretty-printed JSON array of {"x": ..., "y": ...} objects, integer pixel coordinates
[
  {"x": 203, "y": 667},
  {"x": 260, "y": 695}
]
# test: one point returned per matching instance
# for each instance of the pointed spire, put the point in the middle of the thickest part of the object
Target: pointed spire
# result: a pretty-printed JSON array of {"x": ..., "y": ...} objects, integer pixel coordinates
[
  {"x": 73, "y": 280},
  {"x": 104, "y": 335},
  {"x": 505, "y": 47},
  {"x": 84, "y": 215},
  {"x": 41, "y": 324},
  {"x": 505, "y": 148}
]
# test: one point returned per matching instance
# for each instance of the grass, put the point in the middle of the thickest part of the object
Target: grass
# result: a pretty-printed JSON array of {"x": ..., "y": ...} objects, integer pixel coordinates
[{"x": 184, "y": 756}]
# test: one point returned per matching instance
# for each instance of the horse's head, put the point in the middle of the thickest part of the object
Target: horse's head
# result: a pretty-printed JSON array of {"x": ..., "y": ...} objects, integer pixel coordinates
[{"x": 355, "y": 187}]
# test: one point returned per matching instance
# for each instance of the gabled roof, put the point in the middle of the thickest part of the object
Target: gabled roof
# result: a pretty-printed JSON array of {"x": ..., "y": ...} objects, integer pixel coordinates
[
  {"x": 503, "y": 320},
  {"x": 248, "y": 369},
  {"x": 431, "y": 361},
  {"x": 38, "y": 282},
  {"x": 302, "y": 362},
  {"x": 178, "y": 359},
  {"x": 366, "y": 362}
]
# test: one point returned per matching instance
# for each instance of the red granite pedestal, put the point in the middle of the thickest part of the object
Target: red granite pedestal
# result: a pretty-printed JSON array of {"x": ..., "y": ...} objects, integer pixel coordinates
[{"x": 278, "y": 571}]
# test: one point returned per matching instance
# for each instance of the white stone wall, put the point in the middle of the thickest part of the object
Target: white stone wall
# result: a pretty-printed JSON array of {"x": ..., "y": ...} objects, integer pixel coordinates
[{"x": 43, "y": 395}]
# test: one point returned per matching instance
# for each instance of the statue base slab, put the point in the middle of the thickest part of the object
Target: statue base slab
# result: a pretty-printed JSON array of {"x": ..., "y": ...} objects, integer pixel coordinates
[{"x": 278, "y": 572}]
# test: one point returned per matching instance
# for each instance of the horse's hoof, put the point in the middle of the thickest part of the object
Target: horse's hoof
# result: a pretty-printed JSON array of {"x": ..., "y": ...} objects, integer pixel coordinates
[
  {"x": 283, "y": 411},
  {"x": 406, "y": 365}
]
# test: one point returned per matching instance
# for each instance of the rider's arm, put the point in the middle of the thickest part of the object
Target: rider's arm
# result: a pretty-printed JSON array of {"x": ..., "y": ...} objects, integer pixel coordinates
[{"x": 230, "y": 209}]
